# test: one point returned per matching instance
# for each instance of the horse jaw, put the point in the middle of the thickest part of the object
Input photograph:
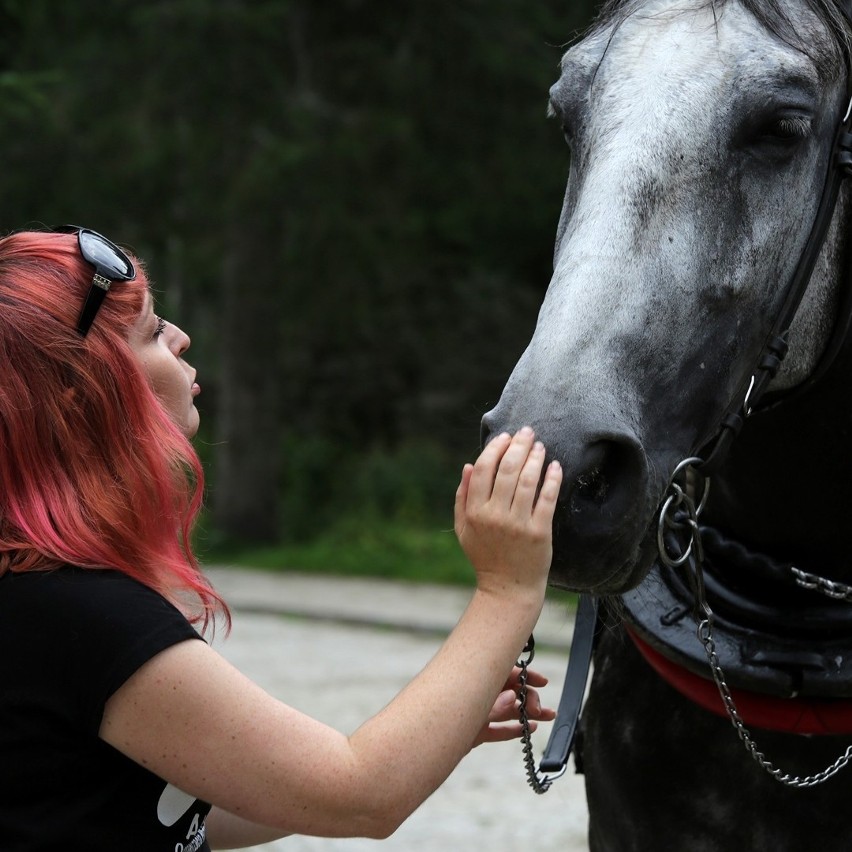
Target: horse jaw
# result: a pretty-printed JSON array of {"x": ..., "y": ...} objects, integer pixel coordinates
[
  {"x": 815, "y": 319},
  {"x": 676, "y": 228}
]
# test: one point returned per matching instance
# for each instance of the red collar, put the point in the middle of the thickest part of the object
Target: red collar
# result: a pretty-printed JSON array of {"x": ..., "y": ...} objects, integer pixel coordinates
[{"x": 791, "y": 715}]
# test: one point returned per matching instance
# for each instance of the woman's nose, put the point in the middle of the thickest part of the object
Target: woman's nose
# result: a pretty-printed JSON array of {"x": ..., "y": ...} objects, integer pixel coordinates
[{"x": 182, "y": 340}]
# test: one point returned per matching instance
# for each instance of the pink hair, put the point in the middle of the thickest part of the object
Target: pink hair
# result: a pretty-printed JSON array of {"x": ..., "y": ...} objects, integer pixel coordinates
[{"x": 93, "y": 471}]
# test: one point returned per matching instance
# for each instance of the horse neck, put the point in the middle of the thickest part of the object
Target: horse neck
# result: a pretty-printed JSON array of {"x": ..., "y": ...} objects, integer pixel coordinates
[{"x": 785, "y": 487}]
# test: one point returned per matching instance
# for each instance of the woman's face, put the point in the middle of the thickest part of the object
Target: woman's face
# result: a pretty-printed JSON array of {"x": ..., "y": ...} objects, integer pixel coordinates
[{"x": 159, "y": 346}]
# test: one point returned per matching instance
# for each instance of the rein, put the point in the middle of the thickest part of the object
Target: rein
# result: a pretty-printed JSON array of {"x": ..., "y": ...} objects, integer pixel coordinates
[{"x": 558, "y": 748}]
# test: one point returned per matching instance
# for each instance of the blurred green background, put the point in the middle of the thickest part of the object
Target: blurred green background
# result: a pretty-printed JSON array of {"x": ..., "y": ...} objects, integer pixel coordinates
[{"x": 348, "y": 204}]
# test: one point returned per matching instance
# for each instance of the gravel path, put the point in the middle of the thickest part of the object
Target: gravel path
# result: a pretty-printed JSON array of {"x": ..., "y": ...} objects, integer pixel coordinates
[{"x": 341, "y": 668}]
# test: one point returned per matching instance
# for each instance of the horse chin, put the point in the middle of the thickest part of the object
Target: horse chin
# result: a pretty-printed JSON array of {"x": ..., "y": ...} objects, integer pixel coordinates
[{"x": 599, "y": 571}]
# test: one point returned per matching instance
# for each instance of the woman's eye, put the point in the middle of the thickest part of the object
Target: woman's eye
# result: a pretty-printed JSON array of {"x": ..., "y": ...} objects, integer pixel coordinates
[{"x": 161, "y": 326}]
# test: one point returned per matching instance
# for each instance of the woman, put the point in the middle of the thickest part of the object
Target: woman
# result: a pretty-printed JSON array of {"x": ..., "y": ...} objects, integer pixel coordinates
[{"x": 117, "y": 725}]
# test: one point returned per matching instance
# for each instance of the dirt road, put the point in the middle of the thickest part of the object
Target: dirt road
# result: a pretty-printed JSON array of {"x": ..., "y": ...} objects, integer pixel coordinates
[{"x": 343, "y": 672}]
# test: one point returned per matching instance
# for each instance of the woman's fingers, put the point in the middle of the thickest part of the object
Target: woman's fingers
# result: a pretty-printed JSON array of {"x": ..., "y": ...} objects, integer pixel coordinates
[
  {"x": 501, "y": 733},
  {"x": 508, "y": 473},
  {"x": 548, "y": 495},
  {"x": 516, "y": 466},
  {"x": 507, "y": 708},
  {"x": 504, "y": 720},
  {"x": 485, "y": 469},
  {"x": 461, "y": 498},
  {"x": 534, "y": 678},
  {"x": 528, "y": 481}
]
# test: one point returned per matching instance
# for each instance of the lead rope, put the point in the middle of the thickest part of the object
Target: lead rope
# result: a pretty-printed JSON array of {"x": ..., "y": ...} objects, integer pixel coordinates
[{"x": 679, "y": 513}]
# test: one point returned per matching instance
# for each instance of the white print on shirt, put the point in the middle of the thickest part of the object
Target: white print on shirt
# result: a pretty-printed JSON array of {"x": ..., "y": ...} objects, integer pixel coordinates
[
  {"x": 173, "y": 804},
  {"x": 195, "y": 844}
]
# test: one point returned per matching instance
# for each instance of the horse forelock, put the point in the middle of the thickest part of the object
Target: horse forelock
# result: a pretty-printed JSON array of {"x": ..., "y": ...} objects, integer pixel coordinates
[{"x": 773, "y": 15}]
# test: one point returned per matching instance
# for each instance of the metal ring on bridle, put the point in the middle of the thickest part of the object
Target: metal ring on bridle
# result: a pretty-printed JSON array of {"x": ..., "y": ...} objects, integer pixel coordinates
[
  {"x": 667, "y": 520},
  {"x": 694, "y": 462},
  {"x": 664, "y": 522}
]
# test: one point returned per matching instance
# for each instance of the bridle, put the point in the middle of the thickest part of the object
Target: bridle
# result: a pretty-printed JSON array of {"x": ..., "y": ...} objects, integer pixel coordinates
[
  {"x": 679, "y": 511},
  {"x": 775, "y": 349}
]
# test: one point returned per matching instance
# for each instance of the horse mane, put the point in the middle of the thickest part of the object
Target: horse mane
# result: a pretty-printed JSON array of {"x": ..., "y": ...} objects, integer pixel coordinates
[{"x": 771, "y": 14}]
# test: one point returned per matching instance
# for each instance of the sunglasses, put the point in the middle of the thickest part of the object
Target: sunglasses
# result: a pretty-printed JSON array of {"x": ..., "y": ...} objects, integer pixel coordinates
[{"x": 111, "y": 265}]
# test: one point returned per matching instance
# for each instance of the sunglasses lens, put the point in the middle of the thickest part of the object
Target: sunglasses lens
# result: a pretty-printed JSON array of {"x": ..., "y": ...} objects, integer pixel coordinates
[
  {"x": 105, "y": 256},
  {"x": 111, "y": 265}
]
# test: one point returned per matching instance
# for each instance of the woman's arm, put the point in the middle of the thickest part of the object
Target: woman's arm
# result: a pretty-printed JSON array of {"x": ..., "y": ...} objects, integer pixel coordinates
[
  {"x": 194, "y": 720},
  {"x": 226, "y": 831}
]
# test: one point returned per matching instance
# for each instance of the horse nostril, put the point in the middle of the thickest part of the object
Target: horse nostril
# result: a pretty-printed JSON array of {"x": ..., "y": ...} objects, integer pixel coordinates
[
  {"x": 593, "y": 486},
  {"x": 609, "y": 473}
]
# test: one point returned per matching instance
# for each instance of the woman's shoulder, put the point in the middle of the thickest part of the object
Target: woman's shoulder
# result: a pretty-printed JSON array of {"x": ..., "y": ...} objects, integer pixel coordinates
[
  {"x": 100, "y": 598},
  {"x": 69, "y": 583},
  {"x": 87, "y": 629}
]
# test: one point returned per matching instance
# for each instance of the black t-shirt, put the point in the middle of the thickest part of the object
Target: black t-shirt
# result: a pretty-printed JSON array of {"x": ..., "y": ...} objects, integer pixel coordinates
[{"x": 68, "y": 640}]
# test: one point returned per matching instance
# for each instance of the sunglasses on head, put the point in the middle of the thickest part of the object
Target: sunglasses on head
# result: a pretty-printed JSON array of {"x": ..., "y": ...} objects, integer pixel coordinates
[{"x": 111, "y": 265}]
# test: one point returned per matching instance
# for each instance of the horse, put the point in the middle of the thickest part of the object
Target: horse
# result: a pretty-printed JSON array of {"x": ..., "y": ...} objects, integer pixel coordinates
[{"x": 691, "y": 357}]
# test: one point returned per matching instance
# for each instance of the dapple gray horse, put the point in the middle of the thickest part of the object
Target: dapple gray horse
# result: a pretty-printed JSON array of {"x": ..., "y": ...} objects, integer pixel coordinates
[{"x": 701, "y": 135}]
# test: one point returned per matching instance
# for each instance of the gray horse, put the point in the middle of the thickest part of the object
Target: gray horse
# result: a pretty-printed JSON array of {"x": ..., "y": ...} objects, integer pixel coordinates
[{"x": 701, "y": 135}]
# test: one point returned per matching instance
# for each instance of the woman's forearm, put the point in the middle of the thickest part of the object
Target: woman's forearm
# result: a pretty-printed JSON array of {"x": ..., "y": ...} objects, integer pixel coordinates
[{"x": 410, "y": 748}]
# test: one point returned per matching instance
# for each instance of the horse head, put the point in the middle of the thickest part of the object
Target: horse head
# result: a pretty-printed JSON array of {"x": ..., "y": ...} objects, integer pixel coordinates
[{"x": 701, "y": 135}]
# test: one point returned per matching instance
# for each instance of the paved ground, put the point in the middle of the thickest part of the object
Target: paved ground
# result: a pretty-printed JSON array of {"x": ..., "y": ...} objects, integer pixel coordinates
[{"x": 340, "y": 649}]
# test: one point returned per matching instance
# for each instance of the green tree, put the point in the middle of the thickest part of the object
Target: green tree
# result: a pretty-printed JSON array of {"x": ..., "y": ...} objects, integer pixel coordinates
[{"x": 349, "y": 204}]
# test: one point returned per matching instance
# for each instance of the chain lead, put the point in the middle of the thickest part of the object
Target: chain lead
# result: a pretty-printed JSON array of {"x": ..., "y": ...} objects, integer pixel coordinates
[{"x": 540, "y": 783}]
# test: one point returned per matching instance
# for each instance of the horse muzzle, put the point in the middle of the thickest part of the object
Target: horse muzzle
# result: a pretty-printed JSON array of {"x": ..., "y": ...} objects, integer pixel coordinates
[{"x": 606, "y": 508}]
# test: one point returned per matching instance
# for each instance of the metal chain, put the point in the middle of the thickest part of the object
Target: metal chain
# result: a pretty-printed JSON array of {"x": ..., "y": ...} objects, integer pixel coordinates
[
  {"x": 539, "y": 783},
  {"x": 704, "y": 621},
  {"x": 705, "y": 636},
  {"x": 830, "y": 588}
]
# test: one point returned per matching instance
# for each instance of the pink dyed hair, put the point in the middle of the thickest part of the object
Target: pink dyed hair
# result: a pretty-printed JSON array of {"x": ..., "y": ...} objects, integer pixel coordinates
[{"x": 93, "y": 472}]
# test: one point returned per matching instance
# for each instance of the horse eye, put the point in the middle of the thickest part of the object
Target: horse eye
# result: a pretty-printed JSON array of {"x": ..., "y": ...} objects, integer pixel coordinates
[
  {"x": 793, "y": 127},
  {"x": 777, "y": 134},
  {"x": 786, "y": 129}
]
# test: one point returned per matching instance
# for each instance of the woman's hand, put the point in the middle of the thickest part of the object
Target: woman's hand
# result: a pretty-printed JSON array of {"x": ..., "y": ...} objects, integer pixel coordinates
[
  {"x": 504, "y": 513},
  {"x": 504, "y": 720}
]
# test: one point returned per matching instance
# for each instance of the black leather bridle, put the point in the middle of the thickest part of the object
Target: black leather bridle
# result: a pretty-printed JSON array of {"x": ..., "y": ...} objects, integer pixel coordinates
[{"x": 775, "y": 349}]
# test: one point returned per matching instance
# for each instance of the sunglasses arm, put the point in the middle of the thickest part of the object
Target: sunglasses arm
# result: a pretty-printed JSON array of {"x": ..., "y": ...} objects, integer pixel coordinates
[{"x": 97, "y": 291}]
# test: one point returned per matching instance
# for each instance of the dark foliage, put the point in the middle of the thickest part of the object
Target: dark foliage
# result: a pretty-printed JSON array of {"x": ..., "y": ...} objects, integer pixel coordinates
[{"x": 350, "y": 205}]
